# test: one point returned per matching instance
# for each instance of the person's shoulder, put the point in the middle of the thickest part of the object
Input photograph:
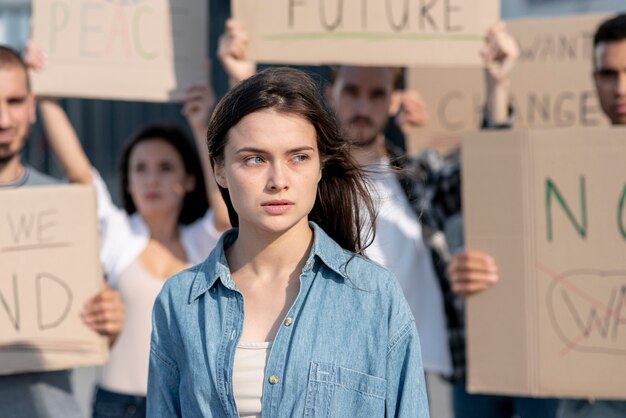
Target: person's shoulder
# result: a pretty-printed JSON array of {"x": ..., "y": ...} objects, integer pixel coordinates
[
  {"x": 177, "y": 290},
  {"x": 181, "y": 282},
  {"x": 366, "y": 275},
  {"x": 33, "y": 177},
  {"x": 369, "y": 273}
]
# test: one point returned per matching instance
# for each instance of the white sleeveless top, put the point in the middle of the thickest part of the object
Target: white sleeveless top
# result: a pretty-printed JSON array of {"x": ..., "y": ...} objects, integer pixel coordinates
[
  {"x": 127, "y": 369},
  {"x": 249, "y": 376}
]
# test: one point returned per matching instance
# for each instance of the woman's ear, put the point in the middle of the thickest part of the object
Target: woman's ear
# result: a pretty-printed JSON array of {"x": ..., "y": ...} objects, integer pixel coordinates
[{"x": 218, "y": 172}]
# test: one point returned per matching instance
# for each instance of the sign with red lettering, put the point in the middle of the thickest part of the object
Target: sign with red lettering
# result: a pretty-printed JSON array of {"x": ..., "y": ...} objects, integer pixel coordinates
[
  {"x": 49, "y": 267},
  {"x": 127, "y": 50},
  {"x": 550, "y": 207},
  {"x": 367, "y": 32}
]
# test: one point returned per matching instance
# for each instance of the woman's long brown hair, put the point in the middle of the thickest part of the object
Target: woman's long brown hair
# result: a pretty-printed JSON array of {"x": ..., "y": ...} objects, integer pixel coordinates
[{"x": 343, "y": 207}]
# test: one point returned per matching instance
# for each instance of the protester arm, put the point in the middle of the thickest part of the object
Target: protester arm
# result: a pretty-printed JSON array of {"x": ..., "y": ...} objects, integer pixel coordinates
[
  {"x": 233, "y": 52},
  {"x": 500, "y": 54},
  {"x": 406, "y": 387},
  {"x": 61, "y": 134},
  {"x": 199, "y": 103},
  {"x": 64, "y": 142},
  {"x": 163, "y": 373}
]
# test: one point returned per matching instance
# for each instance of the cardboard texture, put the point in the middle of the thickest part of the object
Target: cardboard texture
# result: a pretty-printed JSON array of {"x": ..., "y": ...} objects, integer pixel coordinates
[
  {"x": 389, "y": 32},
  {"x": 552, "y": 84},
  {"x": 550, "y": 206},
  {"x": 124, "y": 50},
  {"x": 50, "y": 267}
]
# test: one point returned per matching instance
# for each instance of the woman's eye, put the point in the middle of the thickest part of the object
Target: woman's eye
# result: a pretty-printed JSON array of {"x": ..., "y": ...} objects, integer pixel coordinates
[
  {"x": 253, "y": 160},
  {"x": 166, "y": 167},
  {"x": 300, "y": 158},
  {"x": 140, "y": 168}
]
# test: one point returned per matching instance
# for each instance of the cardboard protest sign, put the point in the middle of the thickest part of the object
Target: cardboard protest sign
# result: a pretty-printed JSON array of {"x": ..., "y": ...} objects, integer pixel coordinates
[
  {"x": 49, "y": 267},
  {"x": 552, "y": 83},
  {"x": 118, "y": 49},
  {"x": 381, "y": 32},
  {"x": 550, "y": 206}
]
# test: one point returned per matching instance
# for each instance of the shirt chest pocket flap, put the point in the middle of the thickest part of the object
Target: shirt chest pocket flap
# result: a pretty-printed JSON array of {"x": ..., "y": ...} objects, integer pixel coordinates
[{"x": 335, "y": 391}]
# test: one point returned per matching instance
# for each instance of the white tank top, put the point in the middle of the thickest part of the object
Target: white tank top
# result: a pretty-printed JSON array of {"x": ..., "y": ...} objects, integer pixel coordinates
[
  {"x": 127, "y": 370},
  {"x": 249, "y": 376}
]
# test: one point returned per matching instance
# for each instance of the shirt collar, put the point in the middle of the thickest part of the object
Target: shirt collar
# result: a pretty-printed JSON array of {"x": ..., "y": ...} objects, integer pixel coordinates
[{"x": 215, "y": 267}]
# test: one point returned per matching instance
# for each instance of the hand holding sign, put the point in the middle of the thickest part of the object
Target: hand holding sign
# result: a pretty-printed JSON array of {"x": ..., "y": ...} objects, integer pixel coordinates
[
  {"x": 104, "y": 313},
  {"x": 472, "y": 272},
  {"x": 49, "y": 268}
]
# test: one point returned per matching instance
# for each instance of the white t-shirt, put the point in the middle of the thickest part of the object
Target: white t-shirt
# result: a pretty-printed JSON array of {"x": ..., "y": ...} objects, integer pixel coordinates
[
  {"x": 123, "y": 238},
  {"x": 399, "y": 247}
]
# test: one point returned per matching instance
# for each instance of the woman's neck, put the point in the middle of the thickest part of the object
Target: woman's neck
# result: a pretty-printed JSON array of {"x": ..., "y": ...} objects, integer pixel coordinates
[
  {"x": 265, "y": 254},
  {"x": 163, "y": 228}
]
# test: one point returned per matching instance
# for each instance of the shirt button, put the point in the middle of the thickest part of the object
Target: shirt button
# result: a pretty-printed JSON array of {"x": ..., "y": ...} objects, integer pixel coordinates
[
  {"x": 273, "y": 379},
  {"x": 132, "y": 409},
  {"x": 288, "y": 322}
]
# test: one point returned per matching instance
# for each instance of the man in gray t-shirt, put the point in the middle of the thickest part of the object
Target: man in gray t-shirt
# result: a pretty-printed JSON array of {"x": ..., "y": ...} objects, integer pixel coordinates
[{"x": 42, "y": 394}]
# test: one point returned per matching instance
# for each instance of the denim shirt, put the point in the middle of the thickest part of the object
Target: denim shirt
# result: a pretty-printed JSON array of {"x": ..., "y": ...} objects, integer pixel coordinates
[{"x": 348, "y": 345}]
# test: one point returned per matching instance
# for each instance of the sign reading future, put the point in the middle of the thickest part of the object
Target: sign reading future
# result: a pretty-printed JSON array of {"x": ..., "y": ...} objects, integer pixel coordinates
[{"x": 380, "y": 32}]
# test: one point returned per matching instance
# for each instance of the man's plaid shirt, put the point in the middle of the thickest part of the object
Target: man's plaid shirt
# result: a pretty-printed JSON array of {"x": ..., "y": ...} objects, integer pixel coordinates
[{"x": 432, "y": 185}]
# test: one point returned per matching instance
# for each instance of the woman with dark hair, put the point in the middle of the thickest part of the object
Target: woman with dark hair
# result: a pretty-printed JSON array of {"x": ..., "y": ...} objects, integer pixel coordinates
[
  {"x": 285, "y": 317},
  {"x": 165, "y": 226}
]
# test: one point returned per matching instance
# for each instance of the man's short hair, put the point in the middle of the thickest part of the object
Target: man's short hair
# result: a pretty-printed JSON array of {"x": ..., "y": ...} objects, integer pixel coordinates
[
  {"x": 612, "y": 30},
  {"x": 398, "y": 77},
  {"x": 10, "y": 58}
]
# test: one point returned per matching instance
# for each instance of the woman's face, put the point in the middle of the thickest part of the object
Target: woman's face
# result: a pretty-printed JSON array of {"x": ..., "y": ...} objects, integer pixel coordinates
[
  {"x": 157, "y": 180},
  {"x": 271, "y": 168}
]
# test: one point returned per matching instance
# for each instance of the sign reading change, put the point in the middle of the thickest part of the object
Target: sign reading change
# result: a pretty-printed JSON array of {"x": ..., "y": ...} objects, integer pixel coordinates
[
  {"x": 120, "y": 49},
  {"x": 367, "y": 32}
]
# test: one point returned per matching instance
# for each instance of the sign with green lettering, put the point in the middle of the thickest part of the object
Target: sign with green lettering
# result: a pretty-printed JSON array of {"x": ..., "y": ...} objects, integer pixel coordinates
[
  {"x": 550, "y": 206},
  {"x": 367, "y": 32},
  {"x": 127, "y": 50}
]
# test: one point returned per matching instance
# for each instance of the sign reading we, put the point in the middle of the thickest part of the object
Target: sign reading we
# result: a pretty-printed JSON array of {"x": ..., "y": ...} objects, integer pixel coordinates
[
  {"x": 367, "y": 32},
  {"x": 119, "y": 49},
  {"x": 550, "y": 206},
  {"x": 49, "y": 269}
]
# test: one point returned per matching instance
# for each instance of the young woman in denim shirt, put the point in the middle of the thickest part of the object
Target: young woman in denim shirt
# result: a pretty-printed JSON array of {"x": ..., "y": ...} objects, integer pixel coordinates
[{"x": 285, "y": 318}]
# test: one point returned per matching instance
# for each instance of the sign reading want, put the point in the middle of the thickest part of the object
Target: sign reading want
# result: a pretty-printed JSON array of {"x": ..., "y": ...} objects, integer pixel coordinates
[
  {"x": 367, "y": 32},
  {"x": 551, "y": 84}
]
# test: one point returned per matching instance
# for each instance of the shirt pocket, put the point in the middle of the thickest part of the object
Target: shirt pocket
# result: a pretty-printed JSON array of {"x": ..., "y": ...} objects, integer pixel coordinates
[{"x": 335, "y": 391}]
